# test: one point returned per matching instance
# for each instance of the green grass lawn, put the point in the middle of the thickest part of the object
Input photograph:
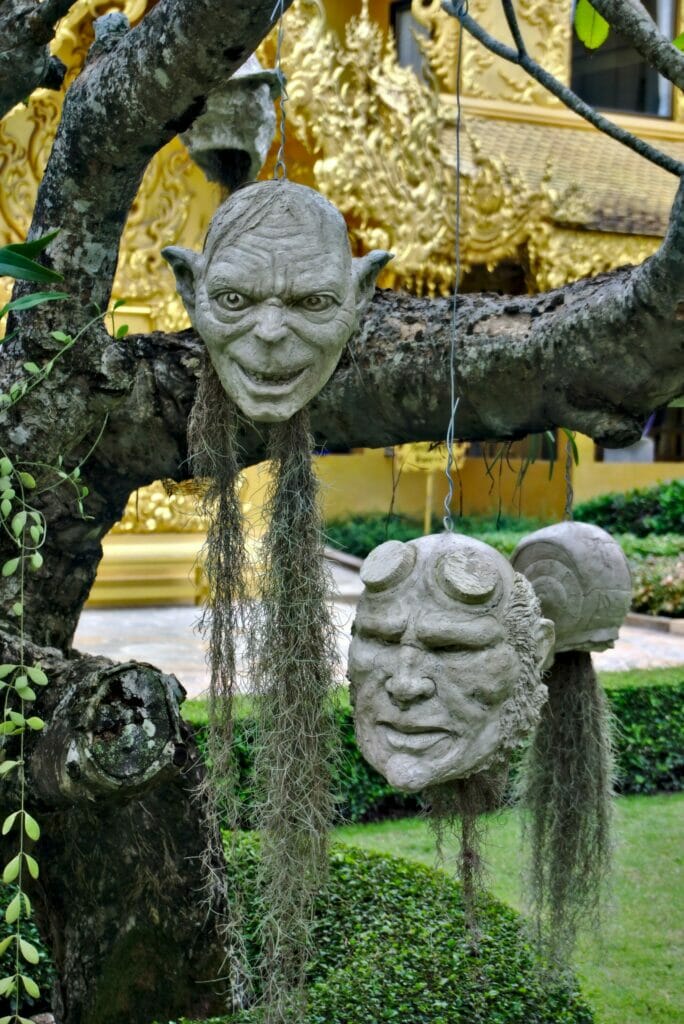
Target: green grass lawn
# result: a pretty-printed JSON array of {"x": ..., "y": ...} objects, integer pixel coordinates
[{"x": 633, "y": 975}]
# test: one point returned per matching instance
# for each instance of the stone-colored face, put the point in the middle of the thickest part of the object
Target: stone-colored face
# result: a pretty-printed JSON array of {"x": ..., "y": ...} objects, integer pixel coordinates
[
  {"x": 431, "y": 666},
  {"x": 276, "y": 298}
]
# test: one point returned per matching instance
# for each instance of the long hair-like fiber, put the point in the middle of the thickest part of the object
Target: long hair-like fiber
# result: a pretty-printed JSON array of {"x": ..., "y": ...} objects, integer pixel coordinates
[
  {"x": 212, "y": 441},
  {"x": 294, "y": 671},
  {"x": 566, "y": 790},
  {"x": 457, "y": 809}
]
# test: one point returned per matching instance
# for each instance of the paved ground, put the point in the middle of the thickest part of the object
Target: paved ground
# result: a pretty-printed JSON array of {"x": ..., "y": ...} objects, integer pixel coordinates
[{"x": 167, "y": 638}]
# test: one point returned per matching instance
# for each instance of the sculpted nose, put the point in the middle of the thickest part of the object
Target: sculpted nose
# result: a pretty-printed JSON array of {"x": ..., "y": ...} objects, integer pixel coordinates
[
  {"x": 270, "y": 325},
  {"x": 407, "y": 685}
]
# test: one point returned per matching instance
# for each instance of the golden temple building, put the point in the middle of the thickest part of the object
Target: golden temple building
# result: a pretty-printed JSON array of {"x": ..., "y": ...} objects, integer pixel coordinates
[{"x": 371, "y": 114}]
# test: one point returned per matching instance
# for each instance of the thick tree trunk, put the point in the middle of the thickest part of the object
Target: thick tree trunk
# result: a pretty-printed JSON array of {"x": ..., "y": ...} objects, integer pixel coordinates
[{"x": 121, "y": 898}]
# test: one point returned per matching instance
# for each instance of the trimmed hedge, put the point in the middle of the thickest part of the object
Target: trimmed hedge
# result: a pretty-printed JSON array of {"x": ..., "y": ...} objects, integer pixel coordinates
[
  {"x": 644, "y": 510},
  {"x": 649, "y": 746},
  {"x": 391, "y": 946}
]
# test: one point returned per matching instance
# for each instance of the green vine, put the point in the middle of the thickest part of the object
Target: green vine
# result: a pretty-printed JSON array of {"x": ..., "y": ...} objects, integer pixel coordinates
[{"x": 26, "y": 527}]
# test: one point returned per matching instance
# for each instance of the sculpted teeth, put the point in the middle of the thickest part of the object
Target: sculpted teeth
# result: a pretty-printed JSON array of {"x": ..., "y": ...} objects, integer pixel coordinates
[{"x": 266, "y": 378}]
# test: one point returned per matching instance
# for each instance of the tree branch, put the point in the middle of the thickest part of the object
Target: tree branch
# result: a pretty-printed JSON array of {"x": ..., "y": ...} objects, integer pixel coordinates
[
  {"x": 128, "y": 102},
  {"x": 25, "y": 61},
  {"x": 560, "y": 91},
  {"x": 635, "y": 23}
]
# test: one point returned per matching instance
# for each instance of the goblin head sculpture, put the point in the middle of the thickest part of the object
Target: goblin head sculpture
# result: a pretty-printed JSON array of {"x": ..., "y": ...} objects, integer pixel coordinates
[
  {"x": 275, "y": 295},
  {"x": 582, "y": 580},
  {"x": 445, "y": 661}
]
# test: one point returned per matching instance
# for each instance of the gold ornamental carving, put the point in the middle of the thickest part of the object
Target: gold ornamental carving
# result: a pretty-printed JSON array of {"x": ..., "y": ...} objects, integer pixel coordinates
[
  {"x": 155, "y": 509},
  {"x": 380, "y": 143},
  {"x": 173, "y": 206}
]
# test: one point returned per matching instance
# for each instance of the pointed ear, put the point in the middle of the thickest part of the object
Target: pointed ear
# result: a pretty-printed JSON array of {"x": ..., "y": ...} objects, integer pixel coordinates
[
  {"x": 546, "y": 641},
  {"x": 186, "y": 265},
  {"x": 365, "y": 270}
]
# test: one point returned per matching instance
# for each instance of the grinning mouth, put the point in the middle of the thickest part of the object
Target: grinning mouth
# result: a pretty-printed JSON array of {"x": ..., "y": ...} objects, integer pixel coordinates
[{"x": 274, "y": 378}]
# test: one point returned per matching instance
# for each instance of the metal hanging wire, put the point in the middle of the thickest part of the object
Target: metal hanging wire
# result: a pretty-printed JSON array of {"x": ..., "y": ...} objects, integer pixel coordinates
[
  {"x": 462, "y": 9},
  {"x": 280, "y": 169}
]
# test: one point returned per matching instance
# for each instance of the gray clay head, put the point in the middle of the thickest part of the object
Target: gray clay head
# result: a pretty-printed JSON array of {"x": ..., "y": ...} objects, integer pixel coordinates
[
  {"x": 445, "y": 661},
  {"x": 276, "y": 295},
  {"x": 582, "y": 580}
]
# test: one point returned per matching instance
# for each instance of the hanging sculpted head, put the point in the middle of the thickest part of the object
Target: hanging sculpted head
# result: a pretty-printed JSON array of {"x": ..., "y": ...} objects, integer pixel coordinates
[
  {"x": 445, "y": 661},
  {"x": 582, "y": 580},
  {"x": 276, "y": 295}
]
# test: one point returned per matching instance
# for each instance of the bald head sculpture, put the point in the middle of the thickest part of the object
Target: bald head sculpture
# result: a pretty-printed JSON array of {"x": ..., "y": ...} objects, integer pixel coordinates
[
  {"x": 582, "y": 580},
  {"x": 445, "y": 661},
  {"x": 276, "y": 295}
]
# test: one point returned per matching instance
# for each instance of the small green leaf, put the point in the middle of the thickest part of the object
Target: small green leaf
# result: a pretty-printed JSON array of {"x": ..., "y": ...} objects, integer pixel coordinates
[
  {"x": 10, "y": 567},
  {"x": 18, "y": 523},
  {"x": 5, "y": 507},
  {"x": 591, "y": 28},
  {"x": 7, "y": 986},
  {"x": 34, "y": 299},
  {"x": 25, "y": 692},
  {"x": 5, "y": 483},
  {"x": 6, "y": 943},
  {"x": 32, "y": 865},
  {"x": 29, "y": 952},
  {"x": 17, "y": 608},
  {"x": 119, "y": 303},
  {"x": 7, "y": 729},
  {"x": 27, "y": 480},
  {"x": 9, "y": 822},
  {"x": 6, "y": 466},
  {"x": 122, "y": 331},
  {"x": 17, "y": 718},
  {"x": 7, "y": 766},
  {"x": 35, "y": 723},
  {"x": 31, "y": 827},
  {"x": 11, "y": 872},
  {"x": 7, "y": 670},
  {"x": 35, "y": 561},
  {"x": 21, "y": 680},
  {"x": 36, "y": 675},
  {"x": 679, "y": 41},
  {"x": 60, "y": 336},
  {"x": 13, "y": 909},
  {"x": 31, "y": 987},
  {"x": 32, "y": 368},
  {"x": 36, "y": 533}
]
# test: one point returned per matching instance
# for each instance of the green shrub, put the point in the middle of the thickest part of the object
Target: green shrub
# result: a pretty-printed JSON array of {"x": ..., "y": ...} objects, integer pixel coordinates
[
  {"x": 650, "y": 737},
  {"x": 358, "y": 535},
  {"x": 666, "y": 545},
  {"x": 645, "y": 510},
  {"x": 658, "y": 586},
  {"x": 391, "y": 946}
]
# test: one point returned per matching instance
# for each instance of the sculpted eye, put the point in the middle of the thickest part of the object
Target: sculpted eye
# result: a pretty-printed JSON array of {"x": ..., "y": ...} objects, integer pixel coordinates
[
  {"x": 231, "y": 300},
  {"x": 316, "y": 303}
]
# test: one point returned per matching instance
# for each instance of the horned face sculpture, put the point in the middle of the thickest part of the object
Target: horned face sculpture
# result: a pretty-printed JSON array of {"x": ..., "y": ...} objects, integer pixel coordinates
[{"x": 445, "y": 661}]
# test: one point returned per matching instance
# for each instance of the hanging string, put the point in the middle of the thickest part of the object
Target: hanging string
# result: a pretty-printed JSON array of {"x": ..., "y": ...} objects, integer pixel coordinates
[
  {"x": 280, "y": 169},
  {"x": 453, "y": 399},
  {"x": 569, "y": 493}
]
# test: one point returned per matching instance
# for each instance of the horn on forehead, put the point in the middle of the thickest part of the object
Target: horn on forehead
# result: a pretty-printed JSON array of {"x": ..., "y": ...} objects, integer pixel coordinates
[{"x": 387, "y": 565}]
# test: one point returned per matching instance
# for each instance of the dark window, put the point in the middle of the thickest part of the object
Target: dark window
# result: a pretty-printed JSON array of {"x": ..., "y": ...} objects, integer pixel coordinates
[
  {"x": 616, "y": 77},
  {"x": 405, "y": 27}
]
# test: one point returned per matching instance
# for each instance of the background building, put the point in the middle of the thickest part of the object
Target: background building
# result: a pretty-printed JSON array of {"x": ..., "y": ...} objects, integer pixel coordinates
[{"x": 372, "y": 124}]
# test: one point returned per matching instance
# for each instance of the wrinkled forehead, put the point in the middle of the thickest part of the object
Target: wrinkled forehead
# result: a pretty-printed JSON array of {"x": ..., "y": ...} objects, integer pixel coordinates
[
  {"x": 281, "y": 216},
  {"x": 438, "y": 583}
]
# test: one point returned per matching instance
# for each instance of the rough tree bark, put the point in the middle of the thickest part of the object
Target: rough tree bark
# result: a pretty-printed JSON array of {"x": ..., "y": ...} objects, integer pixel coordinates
[{"x": 112, "y": 775}]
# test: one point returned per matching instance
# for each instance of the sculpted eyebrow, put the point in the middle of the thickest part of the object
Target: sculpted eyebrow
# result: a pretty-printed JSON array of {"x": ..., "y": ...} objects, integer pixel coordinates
[
  {"x": 483, "y": 632},
  {"x": 380, "y": 627}
]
